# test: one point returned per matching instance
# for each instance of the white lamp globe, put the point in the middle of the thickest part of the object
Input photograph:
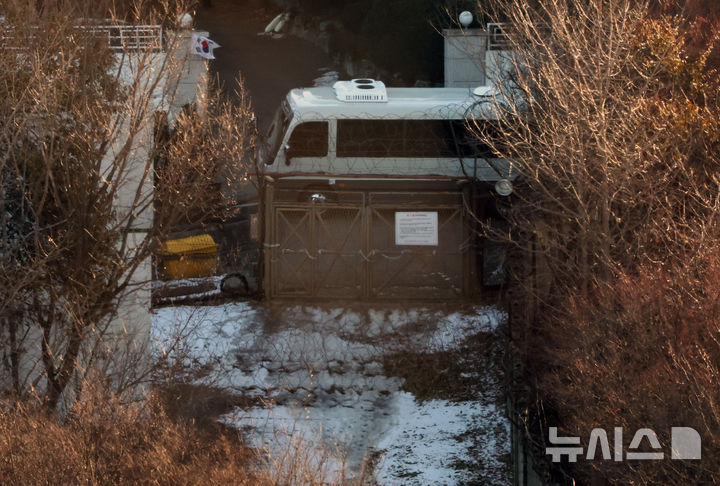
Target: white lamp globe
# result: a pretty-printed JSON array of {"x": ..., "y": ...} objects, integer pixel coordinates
[
  {"x": 185, "y": 20},
  {"x": 504, "y": 187},
  {"x": 465, "y": 19}
]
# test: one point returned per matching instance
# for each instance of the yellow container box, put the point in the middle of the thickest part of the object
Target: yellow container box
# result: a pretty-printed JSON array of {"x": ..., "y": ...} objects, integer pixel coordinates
[{"x": 193, "y": 256}]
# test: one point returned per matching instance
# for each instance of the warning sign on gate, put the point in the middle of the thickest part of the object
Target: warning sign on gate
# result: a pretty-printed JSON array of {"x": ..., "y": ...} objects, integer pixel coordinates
[{"x": 416, "y": 228}]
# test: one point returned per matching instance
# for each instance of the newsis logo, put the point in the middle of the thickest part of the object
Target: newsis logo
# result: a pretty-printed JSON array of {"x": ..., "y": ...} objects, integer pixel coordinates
[{"x": 685, "y": 444}]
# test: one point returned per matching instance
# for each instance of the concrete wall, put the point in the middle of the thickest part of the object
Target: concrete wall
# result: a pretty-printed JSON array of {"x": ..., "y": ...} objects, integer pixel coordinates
[
  {"x": 464, "y": 58},
  {"x": 177, "y": 78}
]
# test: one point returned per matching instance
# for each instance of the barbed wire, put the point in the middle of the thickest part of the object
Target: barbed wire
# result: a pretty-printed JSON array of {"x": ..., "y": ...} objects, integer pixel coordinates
[{"x": 439, "y": 141}]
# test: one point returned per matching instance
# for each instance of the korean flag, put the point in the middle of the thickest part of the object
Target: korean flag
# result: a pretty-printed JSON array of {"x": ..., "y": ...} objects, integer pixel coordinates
[{"x": 202, "y": 46}]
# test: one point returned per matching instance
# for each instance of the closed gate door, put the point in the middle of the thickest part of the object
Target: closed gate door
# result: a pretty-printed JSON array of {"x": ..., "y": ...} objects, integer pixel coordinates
[
  {"x": 338, "y": 239},
  {"x": 316, "y": 245},
  {"x": 292, "y": 252},
  {"x": 346, "y": 245},
  {"x": 417, "y": 271}
]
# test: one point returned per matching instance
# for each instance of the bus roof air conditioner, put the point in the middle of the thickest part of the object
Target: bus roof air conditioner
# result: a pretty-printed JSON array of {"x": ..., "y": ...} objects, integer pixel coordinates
[{"x": 361, "y": 91}]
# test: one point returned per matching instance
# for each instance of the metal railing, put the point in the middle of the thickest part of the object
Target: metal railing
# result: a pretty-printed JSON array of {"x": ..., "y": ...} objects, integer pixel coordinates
[
  {"x": 497, "y": 39},
  {"x": 128, "y": 37},
  {"x": 119, "y": 37}
]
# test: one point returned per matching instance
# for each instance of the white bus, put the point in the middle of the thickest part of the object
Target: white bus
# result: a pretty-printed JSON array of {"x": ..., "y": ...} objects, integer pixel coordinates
[
  {"x": 375, "y": 193},
  {"x": 361, "y": 128}
]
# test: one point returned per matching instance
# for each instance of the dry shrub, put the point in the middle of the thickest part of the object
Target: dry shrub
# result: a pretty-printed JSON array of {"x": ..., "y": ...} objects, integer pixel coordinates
[
  {"x": 103, "y": 440},
  {"x": 102, "y": 443},
  {"x": 643, "y": 350}
]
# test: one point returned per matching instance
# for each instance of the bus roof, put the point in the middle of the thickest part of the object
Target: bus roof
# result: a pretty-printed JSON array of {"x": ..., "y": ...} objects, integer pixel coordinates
[{"x": 320, "y": 103}]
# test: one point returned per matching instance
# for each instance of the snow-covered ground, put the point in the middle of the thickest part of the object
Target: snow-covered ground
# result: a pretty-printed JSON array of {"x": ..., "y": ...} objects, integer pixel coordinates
[{"x": 318, "y": 377}]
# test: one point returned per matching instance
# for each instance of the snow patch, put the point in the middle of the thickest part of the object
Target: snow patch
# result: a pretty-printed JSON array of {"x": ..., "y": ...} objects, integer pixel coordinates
[
  {"x": 427, "y": 441},
  {"x": 320, "y": 371}
]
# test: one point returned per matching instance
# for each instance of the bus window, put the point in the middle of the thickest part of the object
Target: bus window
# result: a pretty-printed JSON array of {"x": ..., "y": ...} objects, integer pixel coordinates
[
  {"x": 275, "y": 133},
  {"x": 408, "y": 138},
  {"x": 370, "y": 138},
  {"x": 309, "y": 139}
]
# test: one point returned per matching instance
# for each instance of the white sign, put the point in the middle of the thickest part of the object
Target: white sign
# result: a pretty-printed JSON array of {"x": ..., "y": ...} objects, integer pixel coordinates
[{"x": 416, "y": 228}]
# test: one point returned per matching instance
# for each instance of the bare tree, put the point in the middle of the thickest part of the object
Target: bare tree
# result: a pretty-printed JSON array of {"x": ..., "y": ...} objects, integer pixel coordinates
[
  {"x": 82, "y": 175},
  {"x": 611, "y": 121},
  {"x": 592, "y": 121}
]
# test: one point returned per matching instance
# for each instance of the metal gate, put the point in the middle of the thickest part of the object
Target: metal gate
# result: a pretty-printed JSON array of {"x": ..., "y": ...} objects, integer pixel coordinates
[{"x": 343, "y": 245}]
